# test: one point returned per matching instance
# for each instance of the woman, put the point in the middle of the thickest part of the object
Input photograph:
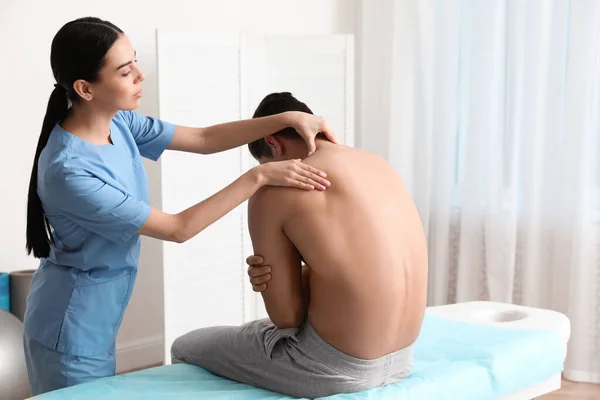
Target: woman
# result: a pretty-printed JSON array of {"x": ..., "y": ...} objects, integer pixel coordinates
[{"x": 88, "y": 198}]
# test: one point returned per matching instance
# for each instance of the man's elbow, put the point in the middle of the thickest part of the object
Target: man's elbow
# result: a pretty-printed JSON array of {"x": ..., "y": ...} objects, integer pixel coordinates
[
  {"x": 287, "y": 323},
  {"x": 289, "y": 320}
]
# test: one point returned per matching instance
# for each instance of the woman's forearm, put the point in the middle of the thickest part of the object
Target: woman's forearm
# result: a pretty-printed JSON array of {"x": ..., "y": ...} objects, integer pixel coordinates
[
  {"x": 185, "y": 225},
  {"x": 195, "y": 219},
  {"x": 230, "y": 135}
]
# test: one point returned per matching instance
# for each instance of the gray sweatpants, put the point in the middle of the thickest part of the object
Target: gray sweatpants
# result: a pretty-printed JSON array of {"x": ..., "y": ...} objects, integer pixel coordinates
[{"x": 295, "y": 362}]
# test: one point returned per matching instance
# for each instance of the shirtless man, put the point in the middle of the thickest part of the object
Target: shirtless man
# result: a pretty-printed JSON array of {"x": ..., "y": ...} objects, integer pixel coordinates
[{"x": 345, "y": 321}]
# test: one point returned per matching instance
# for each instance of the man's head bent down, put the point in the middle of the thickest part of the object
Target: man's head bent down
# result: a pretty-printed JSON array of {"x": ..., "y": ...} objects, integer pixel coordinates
[{"x": 286, "y": 144}]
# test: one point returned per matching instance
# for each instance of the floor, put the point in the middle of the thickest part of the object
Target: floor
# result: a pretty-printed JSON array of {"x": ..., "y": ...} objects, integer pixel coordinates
[{"x": 574, "y": 390}]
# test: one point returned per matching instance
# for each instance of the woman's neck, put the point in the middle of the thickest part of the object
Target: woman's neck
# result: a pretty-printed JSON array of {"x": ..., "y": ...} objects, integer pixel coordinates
[{"x": 89, "y": 123}]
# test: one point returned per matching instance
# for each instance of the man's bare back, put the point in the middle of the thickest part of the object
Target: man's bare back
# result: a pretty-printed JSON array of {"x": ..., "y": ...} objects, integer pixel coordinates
[{"x": 365, "y": 247}]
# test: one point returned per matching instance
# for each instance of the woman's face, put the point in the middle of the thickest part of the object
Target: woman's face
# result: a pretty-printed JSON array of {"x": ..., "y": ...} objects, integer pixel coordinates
[{"x": 120, "y": 79}]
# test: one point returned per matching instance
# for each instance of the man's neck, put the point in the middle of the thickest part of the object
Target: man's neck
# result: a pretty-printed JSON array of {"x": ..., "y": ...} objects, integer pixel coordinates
[{"x": 323, "y": 143}]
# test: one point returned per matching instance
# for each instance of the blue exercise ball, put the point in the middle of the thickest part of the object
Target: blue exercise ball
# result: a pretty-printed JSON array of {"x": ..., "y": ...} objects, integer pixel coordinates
[{"x": 14, "y": 382}]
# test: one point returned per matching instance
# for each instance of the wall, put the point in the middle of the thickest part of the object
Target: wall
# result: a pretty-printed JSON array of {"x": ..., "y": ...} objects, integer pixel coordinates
[{"x": 26, "y": 31}]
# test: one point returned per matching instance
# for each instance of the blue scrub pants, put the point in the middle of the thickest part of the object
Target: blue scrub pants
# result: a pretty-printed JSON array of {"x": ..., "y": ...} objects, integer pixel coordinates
[{"x": 50, "y": 370}]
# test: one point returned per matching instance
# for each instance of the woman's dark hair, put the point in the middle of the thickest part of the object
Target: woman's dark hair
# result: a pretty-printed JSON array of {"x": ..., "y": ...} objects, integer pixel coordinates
[
  {"x": 78, "y": 52},
  {"x": 276, "y": 103}
]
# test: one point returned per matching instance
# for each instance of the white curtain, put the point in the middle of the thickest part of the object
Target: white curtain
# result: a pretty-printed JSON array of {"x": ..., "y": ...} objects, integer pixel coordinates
[{"x": 490, "y": 111}]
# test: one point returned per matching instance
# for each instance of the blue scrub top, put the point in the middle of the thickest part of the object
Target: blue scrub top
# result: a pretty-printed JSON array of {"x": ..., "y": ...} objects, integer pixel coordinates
[{"x": 96, "y": 199}]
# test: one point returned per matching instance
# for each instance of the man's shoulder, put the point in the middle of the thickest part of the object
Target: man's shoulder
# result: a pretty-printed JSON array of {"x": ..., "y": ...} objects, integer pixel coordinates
[
  {"x": 267, "y": 194},
  {"x": 275, "y": 199}
]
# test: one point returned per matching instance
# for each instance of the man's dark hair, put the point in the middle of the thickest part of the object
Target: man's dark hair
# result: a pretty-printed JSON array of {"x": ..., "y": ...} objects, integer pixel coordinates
[{"x": 276, "y": 103}]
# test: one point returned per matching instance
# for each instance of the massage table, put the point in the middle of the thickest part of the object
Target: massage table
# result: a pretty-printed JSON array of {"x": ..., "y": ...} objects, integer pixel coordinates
[{"x": 472, "y": 350}]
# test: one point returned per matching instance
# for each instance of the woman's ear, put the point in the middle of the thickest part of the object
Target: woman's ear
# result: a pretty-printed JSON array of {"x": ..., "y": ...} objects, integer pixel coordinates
[
  {"x": 83, "y": 89},
  {"x": 275, "y": 144}
]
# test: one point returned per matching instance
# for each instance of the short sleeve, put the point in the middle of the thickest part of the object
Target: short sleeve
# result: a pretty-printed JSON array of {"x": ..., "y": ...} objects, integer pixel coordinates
[
  {"x": 95, "y": 205},
  {"x": 151, "y": 135}
]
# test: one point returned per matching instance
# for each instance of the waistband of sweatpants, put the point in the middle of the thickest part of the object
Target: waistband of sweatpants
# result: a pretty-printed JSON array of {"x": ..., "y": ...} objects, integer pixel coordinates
[{"x": 319, "y": 348}]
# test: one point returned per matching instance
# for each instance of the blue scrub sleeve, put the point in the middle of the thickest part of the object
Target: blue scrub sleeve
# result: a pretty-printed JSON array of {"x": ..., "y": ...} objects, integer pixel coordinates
[
  {"x": 95, "y": 205},
  {"x": 151, "y": 135}
]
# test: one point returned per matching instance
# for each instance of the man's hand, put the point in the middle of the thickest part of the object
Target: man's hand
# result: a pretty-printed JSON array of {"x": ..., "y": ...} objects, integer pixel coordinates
[{"x": 259, "y": 274}]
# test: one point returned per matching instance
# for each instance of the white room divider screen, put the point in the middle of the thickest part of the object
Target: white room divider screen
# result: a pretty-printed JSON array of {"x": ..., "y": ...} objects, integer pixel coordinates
[{"x": 205, "y": 79}]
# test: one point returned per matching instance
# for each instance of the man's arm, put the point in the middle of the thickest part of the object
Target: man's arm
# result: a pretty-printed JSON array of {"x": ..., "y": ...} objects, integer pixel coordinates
[
  {"x": 306, "y": 284},
  {"x": 283, "y": 297}
]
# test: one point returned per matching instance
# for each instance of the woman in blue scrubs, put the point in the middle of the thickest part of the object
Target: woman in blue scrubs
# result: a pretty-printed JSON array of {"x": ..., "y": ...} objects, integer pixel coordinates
[{"x": 88, "y": 198}]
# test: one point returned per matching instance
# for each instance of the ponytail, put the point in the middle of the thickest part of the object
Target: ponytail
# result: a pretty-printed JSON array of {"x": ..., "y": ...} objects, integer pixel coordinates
[{"x": 39, "y": 234}]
